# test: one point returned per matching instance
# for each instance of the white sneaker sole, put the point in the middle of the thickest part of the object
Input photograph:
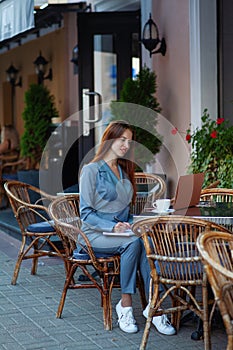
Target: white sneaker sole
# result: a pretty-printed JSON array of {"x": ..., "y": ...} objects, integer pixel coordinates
[
  {"x": 127, "y": 331},
  {"x": 135, "y": 330},
  {"x": 157, "y": 328}
]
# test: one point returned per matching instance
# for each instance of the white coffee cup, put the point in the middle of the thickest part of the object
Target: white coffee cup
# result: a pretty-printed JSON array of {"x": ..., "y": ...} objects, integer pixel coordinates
[{"x": 162, "y": 205}]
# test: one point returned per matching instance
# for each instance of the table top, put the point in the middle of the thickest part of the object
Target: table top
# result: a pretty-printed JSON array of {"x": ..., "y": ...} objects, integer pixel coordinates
[
  {"x": 209, "y": 209},
  {"x": 219, "y": 212}
]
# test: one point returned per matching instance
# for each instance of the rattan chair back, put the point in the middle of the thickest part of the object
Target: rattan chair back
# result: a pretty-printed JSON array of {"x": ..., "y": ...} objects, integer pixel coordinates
[
  {"x": 217, "y": 195},
  {"x": 64, "y": 211},
  {"x": 170, "y": 243},
  {"x": 9, "y": 163},
  {"x": 212, "y": 185},
  {"x": 149, "y": 188},
  {"x": 216, "y": 249},
  {"x": 36, "y": 241}
]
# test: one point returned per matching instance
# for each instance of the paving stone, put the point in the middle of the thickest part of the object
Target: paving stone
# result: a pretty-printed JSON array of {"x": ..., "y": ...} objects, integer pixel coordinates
[{"x": 29, "y": 308}]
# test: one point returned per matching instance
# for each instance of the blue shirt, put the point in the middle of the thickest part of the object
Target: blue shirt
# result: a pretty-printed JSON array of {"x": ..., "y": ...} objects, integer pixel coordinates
[{"x": 102, "y": 197}]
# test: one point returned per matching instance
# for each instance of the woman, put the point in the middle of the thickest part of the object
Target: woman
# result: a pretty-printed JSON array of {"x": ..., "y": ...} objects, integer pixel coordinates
[
  {"x": 107, "y": 188},
  {"x": 9, "y": 139}
]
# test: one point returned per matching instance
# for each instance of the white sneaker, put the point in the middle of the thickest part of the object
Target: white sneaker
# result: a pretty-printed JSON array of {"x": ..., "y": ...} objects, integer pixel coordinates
[
  {"x": 161, "y": 323},
  {"x": 126, "y": 320}
]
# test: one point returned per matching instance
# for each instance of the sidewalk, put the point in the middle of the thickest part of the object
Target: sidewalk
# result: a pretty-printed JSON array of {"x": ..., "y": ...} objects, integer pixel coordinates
[{"x": 28, "y": 313}]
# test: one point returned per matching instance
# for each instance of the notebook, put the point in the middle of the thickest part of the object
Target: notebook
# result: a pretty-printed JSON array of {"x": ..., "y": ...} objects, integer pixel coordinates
[
  {"x": 126, "y": 233},
  {"x": 188, "y": 191}
]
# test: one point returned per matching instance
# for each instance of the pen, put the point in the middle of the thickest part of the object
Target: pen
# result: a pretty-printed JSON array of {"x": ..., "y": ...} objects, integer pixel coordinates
[
  {"x": 125, "y": 224},
  {"x": 116, "y": 219}
]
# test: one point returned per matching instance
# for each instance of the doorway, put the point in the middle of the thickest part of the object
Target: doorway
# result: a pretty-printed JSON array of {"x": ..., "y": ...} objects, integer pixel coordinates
[{"x": 109, "y": 53}]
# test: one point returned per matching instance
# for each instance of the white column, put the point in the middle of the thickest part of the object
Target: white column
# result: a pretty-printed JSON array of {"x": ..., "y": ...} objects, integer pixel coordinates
[
  {"x": 146, "y": 9},
  {"x": 203, "y": 59}
]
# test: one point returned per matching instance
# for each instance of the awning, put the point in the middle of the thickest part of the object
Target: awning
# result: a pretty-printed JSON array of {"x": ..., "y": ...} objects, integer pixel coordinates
[{"x": 45, "y": 18}]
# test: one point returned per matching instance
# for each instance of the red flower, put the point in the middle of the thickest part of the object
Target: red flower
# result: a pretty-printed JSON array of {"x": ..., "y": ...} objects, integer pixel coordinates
[
  {"x": 174, "y": 131},
  {"x": 188, "y": 137},
  {"x": 219, "y": 121},
  {"x": 214, "y": 134}
]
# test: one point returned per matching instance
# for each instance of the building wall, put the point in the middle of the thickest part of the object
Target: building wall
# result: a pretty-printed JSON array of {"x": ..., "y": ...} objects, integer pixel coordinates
[
  {"x": 180, "y": 75},
  {"x": 173, "y": 87},
  {"x": 186, "y": 77},
  {"x": 55, "y": 47},
  {"x": 173, "y": 77}
]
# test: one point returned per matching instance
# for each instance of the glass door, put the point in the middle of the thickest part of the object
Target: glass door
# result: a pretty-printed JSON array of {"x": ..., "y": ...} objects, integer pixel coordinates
[
  {"x": 105, "y": 78},
  {"x": 109, "y": 52}
]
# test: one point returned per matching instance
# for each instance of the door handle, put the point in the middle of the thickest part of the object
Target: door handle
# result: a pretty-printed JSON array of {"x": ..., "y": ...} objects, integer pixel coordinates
[{"x": 99, "y": 115}]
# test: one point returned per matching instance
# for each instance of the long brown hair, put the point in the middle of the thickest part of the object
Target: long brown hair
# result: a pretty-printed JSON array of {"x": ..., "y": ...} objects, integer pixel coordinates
[{"x": 114, "y": 131}]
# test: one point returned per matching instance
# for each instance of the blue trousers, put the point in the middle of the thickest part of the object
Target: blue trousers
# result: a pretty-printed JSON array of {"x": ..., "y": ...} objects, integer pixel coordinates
[{"x": 133, "y": 258}]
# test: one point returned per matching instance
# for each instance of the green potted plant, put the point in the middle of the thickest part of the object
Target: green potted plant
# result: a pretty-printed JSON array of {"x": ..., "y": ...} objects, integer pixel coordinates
[
  {"x": 140, "y": 91},
  {"x": 212, "y": 150},
  {"x": 37, "y": 115}
]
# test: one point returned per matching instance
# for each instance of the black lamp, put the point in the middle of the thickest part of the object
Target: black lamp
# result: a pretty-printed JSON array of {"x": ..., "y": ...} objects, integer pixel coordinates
[
  {"x": 12, "y": 74},
  {"x": 74, "y": 59},
  {"x": 40, "y": 67},
  {"x": 150, "y": 38}
]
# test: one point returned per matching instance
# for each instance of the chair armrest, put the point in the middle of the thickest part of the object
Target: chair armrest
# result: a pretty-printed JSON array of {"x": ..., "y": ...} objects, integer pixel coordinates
[{"x": 16, "y": 163}]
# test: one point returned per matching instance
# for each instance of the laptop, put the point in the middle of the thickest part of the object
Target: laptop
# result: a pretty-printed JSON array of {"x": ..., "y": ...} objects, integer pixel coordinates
[{"x": 188, "y": 191}]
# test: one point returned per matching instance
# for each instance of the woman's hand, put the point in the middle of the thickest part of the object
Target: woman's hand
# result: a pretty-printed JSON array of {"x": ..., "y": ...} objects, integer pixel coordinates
[{"x": 121, "y": 227}]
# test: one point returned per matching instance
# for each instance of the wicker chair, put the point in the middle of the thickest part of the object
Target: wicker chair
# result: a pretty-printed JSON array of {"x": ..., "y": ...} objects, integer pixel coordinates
[
  {"x": 212, "y": 185},
  {"x": 65, "y": 213},
  {"x": 10, "y": 156},
  {"x": 149, "y": 188},
  {"x": 9, "y": 164},
  {"x": 171, "y": 242},
  {"x": 216, "y": 249},
  {"x": 35, "y": 225},
  {"x": 217, "y": 195}
]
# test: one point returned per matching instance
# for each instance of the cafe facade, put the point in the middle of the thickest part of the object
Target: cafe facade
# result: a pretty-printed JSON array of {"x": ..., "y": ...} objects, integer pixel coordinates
[{"x": 90, "y": 48}]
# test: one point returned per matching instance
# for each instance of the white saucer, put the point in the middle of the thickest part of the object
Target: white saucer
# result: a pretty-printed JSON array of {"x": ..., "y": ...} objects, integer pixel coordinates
[{"x": 168, "y": 211}]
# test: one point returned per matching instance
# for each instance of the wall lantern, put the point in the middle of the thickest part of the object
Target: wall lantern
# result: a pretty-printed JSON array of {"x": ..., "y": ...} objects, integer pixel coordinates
[
  {"x": 150, "y": 38},
  {"x": 40, "y": 68},
  {"x": 74, "y": 59},
  {"x": 12, "y": 75}
]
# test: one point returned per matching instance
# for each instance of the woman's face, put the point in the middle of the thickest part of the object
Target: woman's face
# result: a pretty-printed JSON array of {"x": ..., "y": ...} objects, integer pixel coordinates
[{"x": 122, "y": 144}]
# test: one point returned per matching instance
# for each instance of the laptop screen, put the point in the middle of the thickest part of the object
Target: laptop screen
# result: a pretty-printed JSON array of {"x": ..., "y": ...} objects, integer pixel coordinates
[{"x": 188, "y": 191}]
